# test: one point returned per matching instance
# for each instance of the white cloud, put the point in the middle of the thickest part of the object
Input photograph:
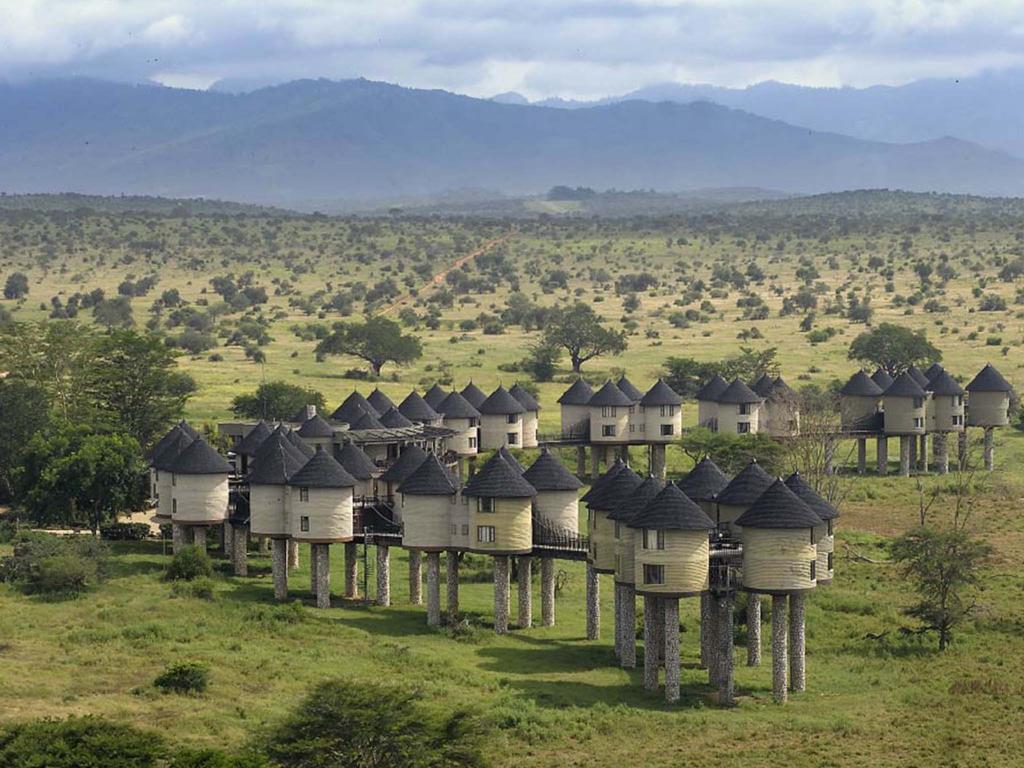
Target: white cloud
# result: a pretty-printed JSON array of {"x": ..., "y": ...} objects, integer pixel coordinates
[{"x": 571, "y": 48}]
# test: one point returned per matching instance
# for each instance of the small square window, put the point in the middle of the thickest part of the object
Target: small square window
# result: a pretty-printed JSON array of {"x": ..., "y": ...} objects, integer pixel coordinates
[
  {"x": 667, "y": 430},
  {"x": 744, "y": 409},
  {"x": 484, "y": 504},
  {"x": 485, "y": 534},
  {"x": 814, "y": 570},
  {"x": 304, "y": 524},
  {"x": 513, "y": 438},
  {"x": 654, "y": 539},
  {"x": 303, "y": 494},
  {"x": 743, "y": 428},
  {"x": 513, "y": 418},
  {"x": 608, "y": 430},
  {"x": 465, "y": 529},
  {"x": 472, "y": 442},
  {"x": 453, "y": 529},
  {"x": 618, "y": 530},
  {"x": 654, "y": 574}
]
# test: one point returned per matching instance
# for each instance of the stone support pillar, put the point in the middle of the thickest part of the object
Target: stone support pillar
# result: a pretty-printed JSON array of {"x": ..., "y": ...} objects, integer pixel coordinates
[
  {"x": 383, "y": 575},
  {"x": 726, "y": 615},
  {"x": 279, "y": 567},
  {"x": 882, "y": 457},
  {"x": 313, "y": 554},
  {"x": 581, "y": 460},
  {"x": 415, "y": 577},
  {"x": 650, "y": 643},
  {"x": 705, "y": 623},
  {"x": 628, "y": 651},
  {"x": 797, "y": 667},
  {"x": 961, "y": 449},
  {"x": 524, "y": 576},
  {"x": 906, "y": 461},
  {"x": 433, "y": 589},
  {"x": 177, "y": 537},
  {"x": 501, "y": 596},
  {"x": 753, "y": 630},
  {"x": 323, "y": 575},
  {"x": 293, "y": 555},
  {"x": 547, "y": 591},
  {"x": 989, "y": 449},
  {"x": 351, "y": 570},
  {"x": 941, "y": 449},
  {"x": 452, "y": 573},
  {"x": 593, "y": 604},
  {"x": 922, "y": 454},
  {"x": 658, "y": 460},
  {"x": 862, "y": 455},
  {"x": 671, "y": 632},
  {"x": 239, "y": 550},
  {"x": 780, "y": 664}
]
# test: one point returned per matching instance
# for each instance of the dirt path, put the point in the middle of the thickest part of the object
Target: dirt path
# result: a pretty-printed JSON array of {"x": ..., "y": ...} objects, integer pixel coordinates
[{"x": 439, "y": 278}]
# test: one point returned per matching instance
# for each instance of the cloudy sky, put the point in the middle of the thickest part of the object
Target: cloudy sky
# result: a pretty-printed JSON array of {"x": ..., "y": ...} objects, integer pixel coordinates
[{"x": 569, "y": 48}]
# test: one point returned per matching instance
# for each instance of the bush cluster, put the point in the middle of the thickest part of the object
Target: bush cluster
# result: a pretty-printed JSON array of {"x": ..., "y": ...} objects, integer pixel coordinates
[
  {"x": 189, "y": 563},
  {"x": 124, "y": 531},
  {"x": 54, "y": 565},
  {"x": 185, "y": 677}
]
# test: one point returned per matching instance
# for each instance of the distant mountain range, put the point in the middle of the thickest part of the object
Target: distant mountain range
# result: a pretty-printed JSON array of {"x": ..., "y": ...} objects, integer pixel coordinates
[
  {"x": 323, "y": 144},
  {"x": 987, "y": 109}
]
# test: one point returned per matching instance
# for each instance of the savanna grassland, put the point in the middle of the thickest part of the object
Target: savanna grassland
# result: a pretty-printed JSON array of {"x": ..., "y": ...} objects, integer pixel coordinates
[{"x": 700, "y": 285}]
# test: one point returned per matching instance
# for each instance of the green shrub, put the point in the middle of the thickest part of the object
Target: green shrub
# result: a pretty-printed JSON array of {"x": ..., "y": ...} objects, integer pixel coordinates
[
  {"x": 213, "y": 758},
  {"x": 78, "y": 742},
  {"x": 68, "y": 574},
  {"x": 46, "y": 564},
  {"x": 189, "y": 563},
  {"x": 124, "y": 531},
  {"x": 185, "y": 677},
  {"x": 200, "y": 589}
]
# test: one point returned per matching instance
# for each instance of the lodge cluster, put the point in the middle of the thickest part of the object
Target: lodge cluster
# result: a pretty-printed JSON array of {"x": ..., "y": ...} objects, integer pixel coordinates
[{"x": 384, "y": 475}]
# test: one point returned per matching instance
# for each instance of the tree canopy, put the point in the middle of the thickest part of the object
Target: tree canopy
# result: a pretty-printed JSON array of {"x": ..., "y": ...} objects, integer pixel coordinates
[
  {"x": 377, "y": 341},
  {"x": 25, "y": 410},
  {"x": 686, "y": 375},
  {"x": 276, "y": 400},
  {"x": 578, "y": 330},
  {"x": 893, "y": 348},
  {"x": 16, "y": 286}
]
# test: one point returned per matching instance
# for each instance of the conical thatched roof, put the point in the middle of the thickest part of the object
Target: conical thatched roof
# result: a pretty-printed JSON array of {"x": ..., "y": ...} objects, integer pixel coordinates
[
  {"x": 917, "y": 376},
  {"x": 744, "y": 489},
  {"x": 989, "y": 380},
  {"x": 435, "y": 395},
  {"x": 762, "y": 385},
  {"x": 356, "y": 462},
  {"x": 660, "y": 394},
  {"x": 430, "y": 478},
  {"x": 253, "y": 439},
  {"x": 379, "y": 401},
  {"x": 882, "y": 378},
  {"x": 811, "y": 497},
  {"x": 316, "y": 426},
  {"x": 275, "y": 461},
  {"x": 672, "y": 510},
  {"x": 525, "y": 399},
  {"x": 638, "y": 498},
  {"x": 498, "y": 480},
  {"x": 704, "y": 482},
  {"x": 294, "y": 439},
  {"x": 738, "y": 393},
  {"x": 778, "y": 507},
  {"x": 415, "y": 408},
  {"x": 500, "y": 402},
  {"x": 178, "y": 441},
  {"x": 474, "y": 395},
  {"x": 187, "y": 429},
  {"x": 904, "y": 386},
  {"x": 455, "y": 406},
  {"x": 322, "y": 471},
  {"x": 547, "y": 473},
  {"x": 599, "y": 485},
  {"x": 200, "y": 458},
  {"x": 406, "y": 463},
  {"x": 513, "y": 462},
  {"x": 712, "y": 389},
  {"x": 367, "y": 421},
  {"x": 944, "y": 385},
  {"x": 617, "y": 492},
  {"x": 861, "y": 385},
  {"x": 932, "y": 370},
  {"x": 578, "y": 394},
  {"x": 393, "y": 419},
  {"x": 354, "y": 406},
  {"x": 610, "y": 395},
  {"x": 630, "y": 391}
]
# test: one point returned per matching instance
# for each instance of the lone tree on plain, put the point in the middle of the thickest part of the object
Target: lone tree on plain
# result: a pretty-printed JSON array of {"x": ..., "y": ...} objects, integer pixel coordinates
[
  {"x": 578, "y": 330},
  {"x": 16, "y": 286},
  {"x": 276, "y": 401},
  {"x": 894, "y": 348},
  {"x": 377, "y": 341}
]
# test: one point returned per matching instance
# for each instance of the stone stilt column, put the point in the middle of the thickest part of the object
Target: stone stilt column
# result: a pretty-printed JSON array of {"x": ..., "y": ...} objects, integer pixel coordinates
[
  {"x": 293, "y": 555},
  {"x": 314, "y": 552},
  {"x": 595, "y": 462},
  {"x": 452, "y": 573},
  {"x": 177, "y": 537},
  {"x": 383, "y": 575},
  {"x": 547, "y": 591},
  {"x": 190, "y": 535},
  {"x": 780, "y": 664},
  {"x": 415, "y": 577},
  {"x": 797, "y": 664},
  {"x": 712, "y": 652},
  {"x": 524, "y": 574},
  {"x": 226, "y": 532},
  {"x": 830, "y": 454},
  {"x": 989, "y": 449},
  {"x": 617, "y": 615},
  {"x": 882, "y": 451},
  {"x": 501, "y": 590},
  {"x": 922, "y": 454},
  {"x": 351, "y": 570},
  {"x": 199, "y": 537},
  {"x": 628, "y": 655},
  {"x": 862, "y": 455},
  {"x": 671, "y": 631},
  {"x": 279, "y": 567},
  {"x": 433, "y": 589},
  {"x": 961, "y": 449},
  {"x": 262, "y": 544},
  {"x": 725, "y": 649},
  {"x": 905, "y": 457},
  {"x": 593, "y": 603},
  {"x": 941, "y": 451},
  {"x": 705, "y": 623},
  {"x": 239, "y": 551},
  {"x": 323, "y": 575},
  {"x": 658, "y": 460},
  {"x": 650, "y": 643},
  {"x": 581, "y": 460},
  {"x": 753, "y": 630},
  {"x": 913, "y": 451}
]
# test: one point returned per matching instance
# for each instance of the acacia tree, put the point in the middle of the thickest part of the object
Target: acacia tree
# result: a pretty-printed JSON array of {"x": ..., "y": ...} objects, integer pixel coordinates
[
  {"x": 578, "y": 330},
  {"x": 377, "y": 341},
  {"x": 894, "y": 348},
  {"x": 51, "y": 355},
  {"x": 276, "y": 400},
  {"x": 16, "y": 286}
]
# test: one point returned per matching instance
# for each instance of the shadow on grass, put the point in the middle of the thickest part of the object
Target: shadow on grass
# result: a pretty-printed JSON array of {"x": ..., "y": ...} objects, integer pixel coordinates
[{"x": 692, "y": 695}]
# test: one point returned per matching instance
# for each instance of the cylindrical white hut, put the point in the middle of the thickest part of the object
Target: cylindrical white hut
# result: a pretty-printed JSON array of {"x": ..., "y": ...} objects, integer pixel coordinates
[
  {"x": 741, "y": 492},
  {"x": 416, "y": 410},
  {"x": 780, "y": 554},
  {"x": 636, "y": 422},
  {"x": 946, "y": 413},
  {"x": 407, "y": 462},
  {"x": 501, "y": 421},
  {"x": 600, "y": 526},
  {"x": 459, "y": 415},
  {"x": 662, "y": 413},
  {"x": 858, "y": 403},
  {"x": 500, "y": 502},
  {"x": 988, "y": 403},
  {"x": 575, "y": 409},
  {"x": 621, "y": 519},
  {"x": 739, "y": 409},
  {"x": 320, "y": 501},
  {"x": 276, "y": 461},
  {"x": 904, "y": 406},
  {"x": 362, "y": 468},
  {"x": 164, "y": 454},
  {"x": 557, "y": 501},
  {"x": 707, "y": 402},
  {"x": 428, "y": 499},
  {"x": 824, "y": 534},
  {"x": 249, "y": 445},
  {"x": 531, "y": 414},
  {"x": 609, "y": 415},
  {"x": 199, "y": 485}
]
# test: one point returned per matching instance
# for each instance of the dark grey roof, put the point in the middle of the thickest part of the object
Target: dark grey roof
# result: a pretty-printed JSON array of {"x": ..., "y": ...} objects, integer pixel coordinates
[
  {"x": 638, "y": 498},
  {"x": 904, "y": 386},
  {"x": 253, "y": 439},
  {"x": 499, "y": 480},
  {"x": 660, "y": 394},
  {"x": 474, "y": 395},
  {"x": 610, "y": 395},
  {"x": 762, "y": 385},
  {"x": 435, "y": 395},
  {"x": 408, "y": 460},
  {"x": 415, "y": 408},
  {"x": 944, "y": 385},
  {"x": 778, "y": 507},
  {"x": 356, "y": 462},
  {"x": 430, "y": 478},
  {"x": 513, "y": 462},
  {"x": 599, "y": 485},
  {"x": 322, "y": 471},
  {"x": 528, "y": 401},
  {"x": 392, "y": 418},
  {"x": 200, "y": 458},
  {"x": 352, "y": 407},
  {"x": 861, "y": 385},
  {"x": 933, "y": 370},
  {"x": 711, "y": 389},
  {"x": 882, "y": 378},
  {"x": 379, "y": 401},
  {"x": 316, "y": 426},
  {"x": 811, "y": 497},
  {"x": 672, "y": 510},
  {"x": 578, "y": 394},
  {"x": 547, "y": 473},
  {"x": 455, "y": 406},
  {"x": 989, "y": 380},
  {"x": 294, "y": 439},
  {"x": 368, "y": 421},
  {"x": 501, "y": 402},
  {"x": 744, "y": 489},
  {"x": 920, "y": 378},
  {"x": 187, "y": 429},
  {"x": 275, "y": 461},
  {"x": 163, "y": 442},
  {"x": 180, "y": 440},
  {"x": 780, "y": 390},
  {"x": 704, "y": 482},
  {"x": 627, "y": 388},
  {"x": 300, "y": 415},
  {"x": 617, "y": 492},
  {"x": 738, "y": 392}
]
